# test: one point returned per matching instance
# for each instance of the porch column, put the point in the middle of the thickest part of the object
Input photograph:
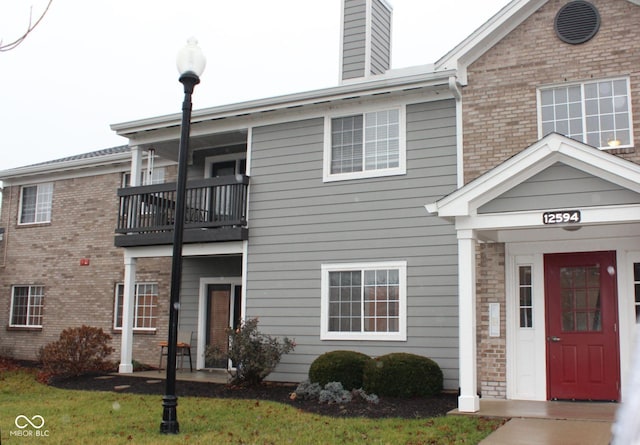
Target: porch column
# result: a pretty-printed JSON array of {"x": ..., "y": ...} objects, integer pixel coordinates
[
  {"x": 126, "y": 346},
  {"x": 468, "y": 401},
  {"x": 136, "y": 166}
]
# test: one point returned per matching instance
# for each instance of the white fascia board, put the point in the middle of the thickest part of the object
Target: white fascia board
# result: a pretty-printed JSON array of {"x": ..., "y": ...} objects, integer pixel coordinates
[
  {"x": 635, "y": 2},
  {"x": 385, "y": 83},
  {"x": 541, "y": 155},
  {"x": 51, "y": 168},
  {"x": 485, "y": 37}
]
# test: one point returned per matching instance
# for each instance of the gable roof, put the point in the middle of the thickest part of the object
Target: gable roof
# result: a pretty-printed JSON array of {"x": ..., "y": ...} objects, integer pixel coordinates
[
  {"x": 489, "y": 34},
  {"x": 547, "y": 151}
]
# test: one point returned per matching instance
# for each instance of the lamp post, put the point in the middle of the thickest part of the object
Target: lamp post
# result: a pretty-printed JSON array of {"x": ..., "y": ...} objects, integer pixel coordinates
[{"x": 191, "y": 63}]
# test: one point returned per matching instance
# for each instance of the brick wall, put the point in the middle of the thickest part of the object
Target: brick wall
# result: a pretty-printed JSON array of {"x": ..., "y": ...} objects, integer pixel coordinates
[
  {"x": 500, "y": 111},
  {"x": 500, "y": 120},
  {"x": 83, "y": 221}
]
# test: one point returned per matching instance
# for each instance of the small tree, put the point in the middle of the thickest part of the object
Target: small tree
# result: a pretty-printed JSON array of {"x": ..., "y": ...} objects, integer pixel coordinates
[{"x": 255, "y": 355}]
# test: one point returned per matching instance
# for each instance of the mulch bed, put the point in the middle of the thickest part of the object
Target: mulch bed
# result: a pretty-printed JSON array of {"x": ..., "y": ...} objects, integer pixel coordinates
[{"x": 417, "y": 407}]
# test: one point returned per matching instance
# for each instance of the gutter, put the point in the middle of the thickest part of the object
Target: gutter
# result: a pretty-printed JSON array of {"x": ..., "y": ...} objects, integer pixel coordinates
[{"x": 385, "y": 83}]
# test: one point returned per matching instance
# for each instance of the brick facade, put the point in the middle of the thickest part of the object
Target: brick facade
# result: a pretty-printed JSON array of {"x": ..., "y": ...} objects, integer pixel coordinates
[
  {"x": 83, "y": 220},
  {"x": 500, "y": 120}
]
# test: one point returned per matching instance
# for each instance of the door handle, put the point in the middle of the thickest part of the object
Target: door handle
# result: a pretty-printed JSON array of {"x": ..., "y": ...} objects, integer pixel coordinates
[{"x": 554, "y": 339}]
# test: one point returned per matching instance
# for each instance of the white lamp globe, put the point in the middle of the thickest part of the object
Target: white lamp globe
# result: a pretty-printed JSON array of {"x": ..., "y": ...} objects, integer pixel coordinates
[{"x": 190, "y": 58}]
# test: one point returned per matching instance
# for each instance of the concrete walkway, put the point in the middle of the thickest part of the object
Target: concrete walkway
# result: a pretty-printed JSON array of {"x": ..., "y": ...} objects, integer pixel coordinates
[{"x": 549, "y": 423}]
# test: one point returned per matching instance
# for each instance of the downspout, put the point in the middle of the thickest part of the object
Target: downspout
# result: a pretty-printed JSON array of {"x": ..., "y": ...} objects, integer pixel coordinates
[
  {"x": 5, "y": 235},
  {"x": 455, "y": 88}
]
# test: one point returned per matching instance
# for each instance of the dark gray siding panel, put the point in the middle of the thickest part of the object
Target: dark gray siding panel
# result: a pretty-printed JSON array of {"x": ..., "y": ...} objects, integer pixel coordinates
[
  {"x": 298, "y": 223},
  {"x": 560, "y": 187}
]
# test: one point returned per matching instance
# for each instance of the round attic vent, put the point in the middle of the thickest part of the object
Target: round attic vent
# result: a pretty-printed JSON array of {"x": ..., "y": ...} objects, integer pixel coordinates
[{"x": 577, "y": 22}]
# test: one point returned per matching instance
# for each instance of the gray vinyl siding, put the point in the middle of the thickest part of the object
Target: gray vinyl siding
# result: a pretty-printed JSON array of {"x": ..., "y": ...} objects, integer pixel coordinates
[
  {"x": 192, "y": 270},
  {"x": 560, "y": 187},
  {"x": 297, "y": 223},
  {"x": 380, "y": 38},
  {"x": 353, "y": 39}
]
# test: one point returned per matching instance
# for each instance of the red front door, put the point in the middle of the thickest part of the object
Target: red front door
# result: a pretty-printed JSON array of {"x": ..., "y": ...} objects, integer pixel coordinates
[{"x": 582, "y": 326}]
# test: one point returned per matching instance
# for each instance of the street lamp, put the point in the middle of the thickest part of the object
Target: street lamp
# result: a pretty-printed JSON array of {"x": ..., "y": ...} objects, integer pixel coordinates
[{"x": 191, "y": 63}]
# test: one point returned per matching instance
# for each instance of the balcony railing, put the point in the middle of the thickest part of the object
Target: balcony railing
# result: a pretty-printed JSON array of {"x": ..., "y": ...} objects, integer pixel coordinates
[{"x": 216, "y": 210}]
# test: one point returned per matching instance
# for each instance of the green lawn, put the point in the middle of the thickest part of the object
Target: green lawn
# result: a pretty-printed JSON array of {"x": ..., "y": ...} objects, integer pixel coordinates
[{"x": 84, "y": 417}]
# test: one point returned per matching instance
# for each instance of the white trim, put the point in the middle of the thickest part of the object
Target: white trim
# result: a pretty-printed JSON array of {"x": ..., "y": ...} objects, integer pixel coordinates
[
  {"x": 541, "y": 155},
  {"x": 327, "y": 176},
  {"x": 526, "y": 353},
  {"x": 401, "y": 335},
  {"x": 202, "y": 311},
  {"x": 196, "y": 249},
  {"x": 368, "y": 29}
]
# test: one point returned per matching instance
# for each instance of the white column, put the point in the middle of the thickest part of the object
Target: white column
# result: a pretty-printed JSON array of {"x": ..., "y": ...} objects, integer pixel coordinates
[
  {"x": 126, "y": 346},
  {"x": 136, "y": 165},
  {"x": 468, "y": 401}
]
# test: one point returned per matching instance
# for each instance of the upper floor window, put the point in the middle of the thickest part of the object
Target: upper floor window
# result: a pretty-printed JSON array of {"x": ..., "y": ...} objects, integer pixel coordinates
[
  {"x": 365, "y": 145},
  {"x": 156, "y": 176},
  {"x": 364, "y": 301},
  {"x": 27, "y": 303},
  {"x": 144, "y": 309},
  {"x": 35, "y": 203},
  {"x": 597, "y": 113}
]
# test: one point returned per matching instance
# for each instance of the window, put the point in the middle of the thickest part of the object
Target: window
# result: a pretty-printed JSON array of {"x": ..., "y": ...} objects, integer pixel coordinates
[
  {"x": 145, "y": 306},
  {"x": 364, "y": 301},
  {"x": 526, "y": 302},
  {"x": 35, "y": 203},
  {"x": 157, "y": 177},
  {"x": 365, "y": 145},
  {"x": 26, "y": 306},
  {"x": 597, "y": 113}
]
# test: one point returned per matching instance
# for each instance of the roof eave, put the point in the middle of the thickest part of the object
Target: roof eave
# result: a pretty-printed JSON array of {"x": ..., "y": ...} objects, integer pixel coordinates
[{"x": 371, "y": 86}]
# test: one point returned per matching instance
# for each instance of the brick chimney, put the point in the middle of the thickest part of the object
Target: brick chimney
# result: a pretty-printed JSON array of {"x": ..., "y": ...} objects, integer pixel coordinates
[{"x": 365, "y": 43}]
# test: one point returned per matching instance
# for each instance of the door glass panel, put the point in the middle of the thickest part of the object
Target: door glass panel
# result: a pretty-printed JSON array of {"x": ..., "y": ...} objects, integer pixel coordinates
[
  {"x": 580, "y": 293},
  {"x": 636, "y": 282}
]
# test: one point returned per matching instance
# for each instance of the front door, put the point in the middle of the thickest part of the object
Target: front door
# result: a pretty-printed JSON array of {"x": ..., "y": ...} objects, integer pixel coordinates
[
  {"x": 582, "y": 326},
  {"x": 223, "y": 311}
]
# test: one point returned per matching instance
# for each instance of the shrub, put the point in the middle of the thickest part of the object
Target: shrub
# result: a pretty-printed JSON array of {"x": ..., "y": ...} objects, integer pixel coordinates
[
  {"x": 402, "y": 375},
  {"x": 78, "y": 351},
  {"x": 345, "y": 367},
  {"x": 333, "y": 392},
  {"x": 253, "y": 354}
]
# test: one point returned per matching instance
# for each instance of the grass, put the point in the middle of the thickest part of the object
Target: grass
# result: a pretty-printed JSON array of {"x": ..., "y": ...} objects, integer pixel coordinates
[{"x": 79, "y": 417}]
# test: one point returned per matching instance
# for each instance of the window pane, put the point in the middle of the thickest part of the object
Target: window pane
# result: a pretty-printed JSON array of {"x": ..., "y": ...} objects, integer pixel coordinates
[
  {"x": 346, "y": 144},
  {"x": 28, "y": 214},
  {"x": 526, "y": 301}
]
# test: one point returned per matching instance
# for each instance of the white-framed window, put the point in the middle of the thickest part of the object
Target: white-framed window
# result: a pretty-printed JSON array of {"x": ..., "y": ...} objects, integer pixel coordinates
[
  {"x": 35, "y": 203},
  {"x": 364, "y": 301},
  {"x": 365, "y": 144},
  {"x": 525, "y": 294},
  {"x": 27, "y": 303},
  {"x": 145, "y": 306},
  {"x": 597, "y": 112}
]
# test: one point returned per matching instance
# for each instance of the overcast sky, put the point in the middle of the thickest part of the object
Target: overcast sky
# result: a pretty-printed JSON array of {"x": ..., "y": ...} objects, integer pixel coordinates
[{"x": 90, "y": 64}]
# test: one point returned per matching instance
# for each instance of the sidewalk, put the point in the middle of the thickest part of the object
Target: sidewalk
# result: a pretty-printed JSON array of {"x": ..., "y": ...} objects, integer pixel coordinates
[{"x": 549, "y": 423}]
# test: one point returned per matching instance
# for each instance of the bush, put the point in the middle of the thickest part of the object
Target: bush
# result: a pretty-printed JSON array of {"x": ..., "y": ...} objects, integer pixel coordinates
[
  {"x": 78, "y": 351},
  {"x": 253, "y": 354},
  {"x": 402, "y": 375},
  {"x": 333, "y": 392},
  {"x": 345, "y": 367}
]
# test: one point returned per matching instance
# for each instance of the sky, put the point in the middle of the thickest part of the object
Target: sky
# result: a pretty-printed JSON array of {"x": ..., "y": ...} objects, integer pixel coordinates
[{"x": 90, "y": 64}]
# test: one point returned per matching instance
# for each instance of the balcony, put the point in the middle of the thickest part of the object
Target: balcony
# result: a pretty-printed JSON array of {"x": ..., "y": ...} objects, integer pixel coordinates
[{"x": 216, "y": 210}]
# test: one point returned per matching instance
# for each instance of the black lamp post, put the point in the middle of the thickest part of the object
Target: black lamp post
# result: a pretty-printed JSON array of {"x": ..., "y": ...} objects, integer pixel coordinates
[{"x": 191, "y": 63}]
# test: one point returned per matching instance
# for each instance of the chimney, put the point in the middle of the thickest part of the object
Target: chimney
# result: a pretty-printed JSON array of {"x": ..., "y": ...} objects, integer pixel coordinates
[{"x": 365, "y": 41}]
